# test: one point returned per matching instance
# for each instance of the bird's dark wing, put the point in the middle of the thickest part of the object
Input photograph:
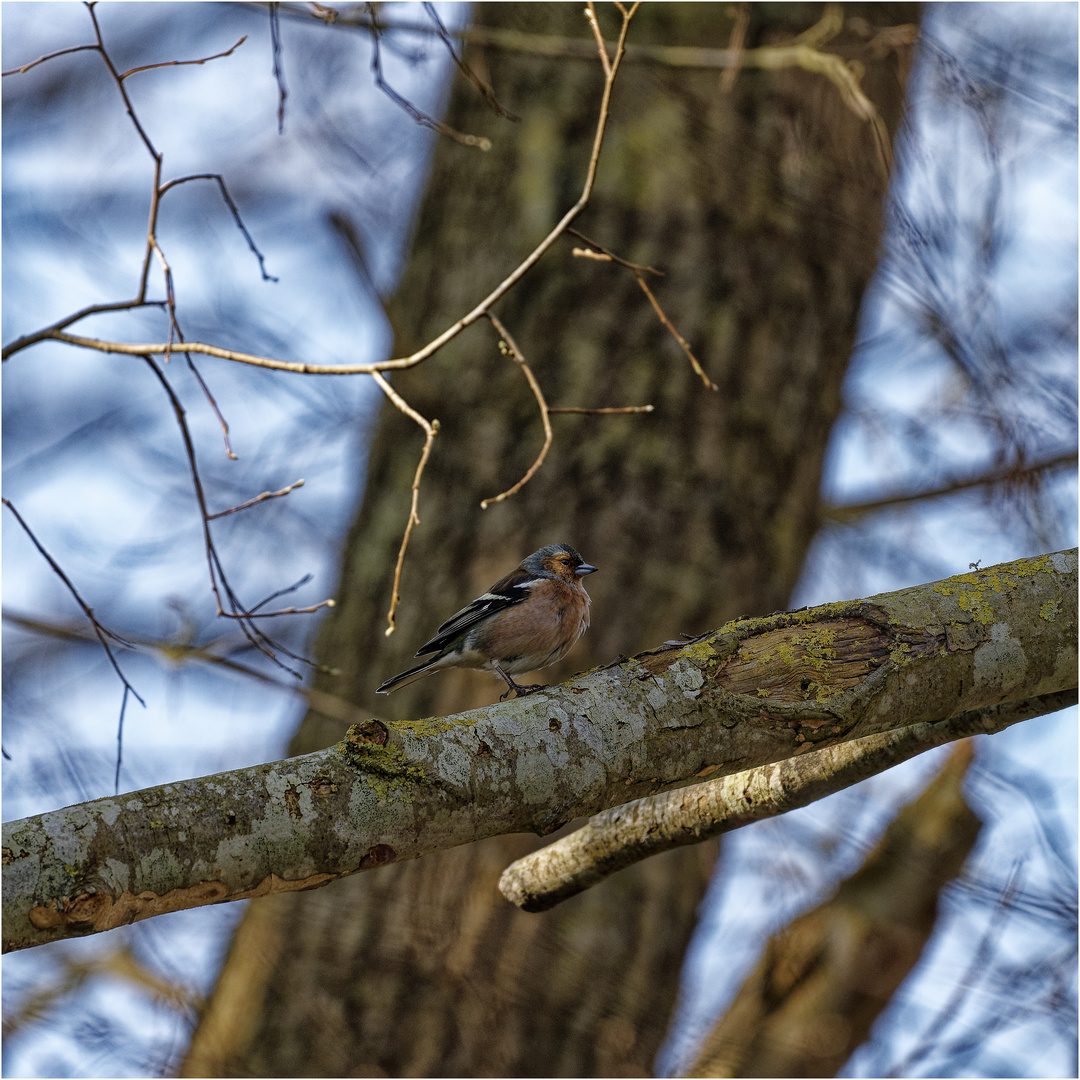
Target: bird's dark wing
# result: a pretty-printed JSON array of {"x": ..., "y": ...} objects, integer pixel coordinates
[{"x": 511, "y": 590}]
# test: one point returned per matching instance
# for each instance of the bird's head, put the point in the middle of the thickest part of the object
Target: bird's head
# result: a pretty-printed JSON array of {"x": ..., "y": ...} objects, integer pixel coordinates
[{"x": 558, "y": 560}]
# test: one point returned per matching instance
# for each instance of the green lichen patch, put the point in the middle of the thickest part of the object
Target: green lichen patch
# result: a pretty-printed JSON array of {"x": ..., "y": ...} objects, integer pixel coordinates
[
  {"x": 973, "y": 590},
  {"x": 433, "y": 725},
  {"x": 1049, "y": 610},
  {"x": 900, "y": 652},
  {"x": 386, "y": 768}
]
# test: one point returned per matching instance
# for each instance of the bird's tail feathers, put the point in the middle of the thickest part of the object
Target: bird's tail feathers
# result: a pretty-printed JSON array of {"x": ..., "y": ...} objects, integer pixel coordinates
[{"x": 421, "y": 671}]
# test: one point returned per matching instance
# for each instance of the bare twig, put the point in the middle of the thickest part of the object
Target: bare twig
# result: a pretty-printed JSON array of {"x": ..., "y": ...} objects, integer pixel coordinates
[
  {"x": 220, "y": 181},
  {"x": 485, "y": 91},
  {"x": 479, "y": 141},
  {"x": 258, "y": 499},
  {"x": 329, "y": 603},
  {"x": 604, "y": 412},
  {"x": 989, "y": 478},
  {"x": 100, "y": 631},
  {"x": 603, "y": 255},
  {"x": 735, "y": 46},
  {"x": 120, "y": 741},
  {"x": 683, "y": 344},
  {"x": 282, "y": 592},
  {"x": 510, "y": 346},
  {"x": 213, "y": 405},
  {"x": 120, "y": 84},
  {"x": 182, "y": 63},
  {"x": 594, "y": 26},
  {"x": 49, "y": 56},
  {"x": 431, "y": 429},
  {"x": 93, "y": 309},
  {"x": 279, "y": 70}
]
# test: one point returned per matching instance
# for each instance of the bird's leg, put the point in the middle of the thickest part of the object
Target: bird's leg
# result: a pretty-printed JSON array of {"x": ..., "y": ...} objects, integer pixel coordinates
[{"x": 520, "y": 690}]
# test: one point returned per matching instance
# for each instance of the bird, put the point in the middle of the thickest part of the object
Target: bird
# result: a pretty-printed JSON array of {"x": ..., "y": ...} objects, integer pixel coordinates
[{"x": 527, "y": 620}]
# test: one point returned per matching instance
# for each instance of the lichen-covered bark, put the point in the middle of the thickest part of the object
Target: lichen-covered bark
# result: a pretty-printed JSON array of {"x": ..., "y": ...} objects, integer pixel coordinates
[
  {"x": 398, "y": 790},
  {"x": 626, "y": 834}
]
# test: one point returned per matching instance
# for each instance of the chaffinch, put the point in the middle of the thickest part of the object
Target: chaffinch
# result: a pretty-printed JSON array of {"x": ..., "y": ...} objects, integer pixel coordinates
[{"x": 528, "y": 620}]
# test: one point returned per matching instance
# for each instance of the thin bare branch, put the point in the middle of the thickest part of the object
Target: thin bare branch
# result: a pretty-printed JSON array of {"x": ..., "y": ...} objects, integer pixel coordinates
[
  {"x": 213, "y": 405},
  {"x": 220, "y": 181},
  {"x": 508, "y": 345},
  {"x": 735, "y": 46},
  {"x": 603, "y": 255},
  {"x": 594, "y": 26},
  {"x": 120, "y": 85},
  {"x": 151, "y": 230},
  {"x": 485, "y": 91},
  {"x": 989, "y": 478},
  {"x": 331, "y": 602},
  {"x": 49, "y": 56},
  {"x": 258, "y": 499},
  {"x": 279, "y": 69},
  {"x": 102, "y": 633},
  {"x": 431, "y": 429},
  {"x": 683, "y": 343},
  {"x": 93, "y": 309},
  {"x": 422, "y": 118},
  {"x": 605, "y": 412},
  {"x": 120, "y": 740},
  {"x": 184, "y": 63}
]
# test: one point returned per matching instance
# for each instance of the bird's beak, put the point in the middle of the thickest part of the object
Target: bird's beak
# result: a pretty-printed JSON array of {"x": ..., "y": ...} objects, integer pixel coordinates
[{"x": 585, "y": 568}]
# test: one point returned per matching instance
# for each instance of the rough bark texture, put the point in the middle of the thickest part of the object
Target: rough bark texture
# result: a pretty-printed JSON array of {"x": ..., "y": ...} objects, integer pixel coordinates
[
  {"x": 824, "y": 979},
  {"x": 626, "y": 834},
  {"x": 737, "y": 698},
  {"x": 763, "y": 206}
]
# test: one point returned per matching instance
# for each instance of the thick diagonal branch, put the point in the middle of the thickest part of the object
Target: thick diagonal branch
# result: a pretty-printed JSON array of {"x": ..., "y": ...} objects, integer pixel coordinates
[{"x": 753, "y": 692}]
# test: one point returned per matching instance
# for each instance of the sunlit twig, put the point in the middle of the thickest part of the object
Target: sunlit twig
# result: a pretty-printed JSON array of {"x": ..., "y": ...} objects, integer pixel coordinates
[
  {"x": 431, "y": 429},
  {"x": 511, "y": 347},
  {"x": 258, "y": 499},
  {"x": 181, "y": 63},
  {"x": 603, "y": 255}
]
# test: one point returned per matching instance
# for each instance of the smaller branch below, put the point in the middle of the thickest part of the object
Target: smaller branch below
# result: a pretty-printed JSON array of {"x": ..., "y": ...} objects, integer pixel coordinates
[{"x": 627, "y": 834}]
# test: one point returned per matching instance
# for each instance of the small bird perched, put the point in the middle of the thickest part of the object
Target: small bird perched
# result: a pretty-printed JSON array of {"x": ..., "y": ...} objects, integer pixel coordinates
[{"x": 528, "y": 620}]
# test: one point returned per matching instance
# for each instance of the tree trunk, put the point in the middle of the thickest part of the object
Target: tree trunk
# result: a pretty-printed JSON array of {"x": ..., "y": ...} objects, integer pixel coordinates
[{"x": 763, "y": 206}]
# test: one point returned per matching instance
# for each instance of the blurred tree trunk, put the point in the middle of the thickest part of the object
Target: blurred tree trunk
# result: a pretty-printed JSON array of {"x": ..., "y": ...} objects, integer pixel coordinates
[{"x": 763, "y": 205}]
